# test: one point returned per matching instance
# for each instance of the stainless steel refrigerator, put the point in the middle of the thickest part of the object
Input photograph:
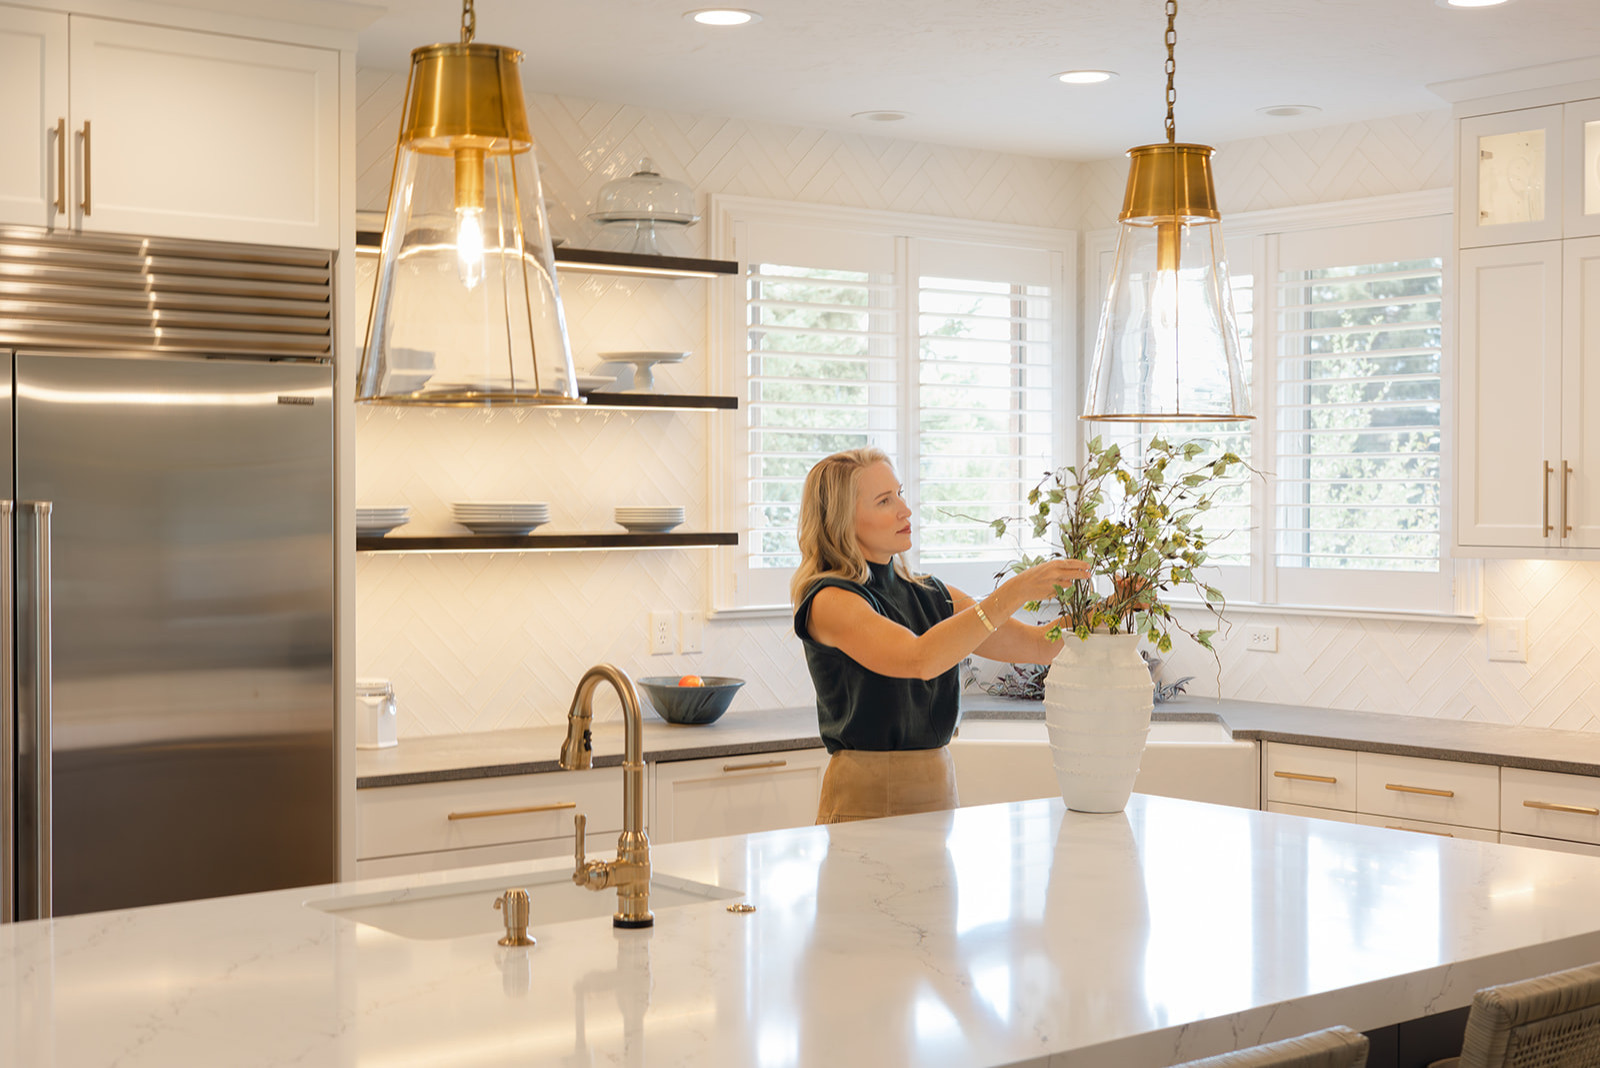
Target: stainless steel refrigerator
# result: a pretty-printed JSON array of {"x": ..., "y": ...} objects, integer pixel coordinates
[{"x": 166, "y": 584}]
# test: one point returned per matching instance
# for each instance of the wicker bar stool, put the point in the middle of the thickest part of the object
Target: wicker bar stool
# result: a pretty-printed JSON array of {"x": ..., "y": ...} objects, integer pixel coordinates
[
  {"x": 1333, "y": 1047},
  {"x": 1552, "y": 1021}
]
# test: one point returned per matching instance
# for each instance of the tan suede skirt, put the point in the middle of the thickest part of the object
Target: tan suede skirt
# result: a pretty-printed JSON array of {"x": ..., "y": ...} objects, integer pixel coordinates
[{"x": 861, "y": 784}]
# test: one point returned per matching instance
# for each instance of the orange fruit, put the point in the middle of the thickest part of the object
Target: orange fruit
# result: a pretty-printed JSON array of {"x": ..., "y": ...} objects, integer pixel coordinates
[{"x": 691, "y": 680}]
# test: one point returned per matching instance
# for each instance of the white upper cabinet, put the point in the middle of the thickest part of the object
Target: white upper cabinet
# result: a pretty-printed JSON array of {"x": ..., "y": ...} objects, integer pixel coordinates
[
  {"x": 1532, "y": 174},
  {"x": 1578, "y": 502},
  {"x": 168, "y": 132},
  {"x": 197, "y": 135},
  {"x": 33, "y": 115}
]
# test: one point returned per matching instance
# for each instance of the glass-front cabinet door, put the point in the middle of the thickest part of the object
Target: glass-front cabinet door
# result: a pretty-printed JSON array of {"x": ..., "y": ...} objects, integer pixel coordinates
[
  {"x": 1511, "y": 177},
  {"x": 1583, "y": 169}
]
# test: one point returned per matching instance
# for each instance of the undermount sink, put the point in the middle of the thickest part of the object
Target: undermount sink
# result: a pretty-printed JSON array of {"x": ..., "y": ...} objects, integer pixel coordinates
[{"x": 453, "y": 910}]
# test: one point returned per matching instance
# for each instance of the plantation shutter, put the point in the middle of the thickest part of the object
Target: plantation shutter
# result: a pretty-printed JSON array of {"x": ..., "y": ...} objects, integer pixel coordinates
[
  {"x": 984, "y": 399},
  {"x": 1357, "y": 413},
  {"x": 822, "y": 356}
]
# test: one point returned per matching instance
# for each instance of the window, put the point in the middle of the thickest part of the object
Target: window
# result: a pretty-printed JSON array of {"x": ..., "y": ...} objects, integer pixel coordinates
[
  {"x": 1347, "y": 385},
  {"x": 938, "y": 342}
]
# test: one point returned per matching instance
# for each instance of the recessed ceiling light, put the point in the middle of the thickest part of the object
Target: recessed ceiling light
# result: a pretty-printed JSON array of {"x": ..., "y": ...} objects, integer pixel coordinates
[
  {"x": 722, "y": 16},
  {"x": 1085, "y": 77},
  {"x": 1471, "y": 3},
  {"x": 882, "y": 115},
  {"x": 1285, "y": 110}
]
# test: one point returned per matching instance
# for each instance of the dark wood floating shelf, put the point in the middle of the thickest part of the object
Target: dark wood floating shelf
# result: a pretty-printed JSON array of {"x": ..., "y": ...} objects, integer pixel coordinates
[
  {"x": 600, "y": 261},
  {"x": 445, "y": 543},
  {"x": 658, "y": 400}
]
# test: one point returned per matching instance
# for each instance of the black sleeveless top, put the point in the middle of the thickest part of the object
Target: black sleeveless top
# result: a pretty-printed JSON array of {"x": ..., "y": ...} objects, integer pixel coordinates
[{"x": 860, "y": 709}]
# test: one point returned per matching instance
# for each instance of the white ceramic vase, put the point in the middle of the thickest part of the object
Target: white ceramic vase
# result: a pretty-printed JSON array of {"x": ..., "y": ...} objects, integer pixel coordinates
[{"x": 1097, "y": 702}]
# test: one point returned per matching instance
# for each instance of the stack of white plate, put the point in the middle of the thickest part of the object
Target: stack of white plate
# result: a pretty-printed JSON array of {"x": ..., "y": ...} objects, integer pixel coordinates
[
  {"x": 378, "y": 520},
  {"x": 650, "y": 520},
  {"x": 500, "y": 517}
]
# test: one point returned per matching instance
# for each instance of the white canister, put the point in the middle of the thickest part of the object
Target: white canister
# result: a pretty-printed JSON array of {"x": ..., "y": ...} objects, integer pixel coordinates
[{"x": 377, "y": 716}]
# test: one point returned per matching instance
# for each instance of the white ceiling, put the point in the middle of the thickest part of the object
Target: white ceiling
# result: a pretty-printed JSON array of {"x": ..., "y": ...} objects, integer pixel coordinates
[{"x": 978, "y": 73}]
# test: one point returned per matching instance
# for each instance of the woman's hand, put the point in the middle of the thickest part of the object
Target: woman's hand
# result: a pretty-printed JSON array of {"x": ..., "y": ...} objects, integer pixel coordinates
[{"x": 1039, "y": 582}]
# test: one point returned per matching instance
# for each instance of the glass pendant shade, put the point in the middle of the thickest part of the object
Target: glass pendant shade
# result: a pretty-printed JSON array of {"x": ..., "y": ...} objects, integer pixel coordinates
[
  {"x": 465, "y": 310},
  {"x": 1168, "y": 345}
]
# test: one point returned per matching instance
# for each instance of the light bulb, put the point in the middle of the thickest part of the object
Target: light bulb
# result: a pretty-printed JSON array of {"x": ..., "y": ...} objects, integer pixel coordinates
[{"x": 469, "y": 246}]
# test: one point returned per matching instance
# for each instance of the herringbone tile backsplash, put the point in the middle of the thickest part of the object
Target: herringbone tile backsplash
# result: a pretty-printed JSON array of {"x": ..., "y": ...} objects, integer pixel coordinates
[{"x": 477, "y": 642}]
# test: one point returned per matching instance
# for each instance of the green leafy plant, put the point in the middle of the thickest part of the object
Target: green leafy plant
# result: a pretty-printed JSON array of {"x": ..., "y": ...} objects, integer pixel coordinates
[{"x": 1138, "y": 526}]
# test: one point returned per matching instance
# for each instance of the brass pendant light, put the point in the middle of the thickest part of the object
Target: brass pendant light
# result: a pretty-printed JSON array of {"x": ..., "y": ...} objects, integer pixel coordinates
[
  {"x": 465, "y": 310},
  {"x": 1168, "y": 345}
]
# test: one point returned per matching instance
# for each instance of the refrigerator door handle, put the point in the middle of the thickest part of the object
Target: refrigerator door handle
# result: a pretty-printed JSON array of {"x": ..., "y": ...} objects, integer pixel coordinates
[
  {"x": 35, "y": 863},
  {"x": 8, "y": 718}
]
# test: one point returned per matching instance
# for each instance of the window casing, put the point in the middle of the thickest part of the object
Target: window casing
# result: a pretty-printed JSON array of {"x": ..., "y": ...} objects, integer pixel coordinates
[{"x": 941, "y": 342}]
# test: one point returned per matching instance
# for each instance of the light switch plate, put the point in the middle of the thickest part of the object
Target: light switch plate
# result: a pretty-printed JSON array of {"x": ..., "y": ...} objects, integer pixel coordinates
[{"x": 1507, "y": 639}]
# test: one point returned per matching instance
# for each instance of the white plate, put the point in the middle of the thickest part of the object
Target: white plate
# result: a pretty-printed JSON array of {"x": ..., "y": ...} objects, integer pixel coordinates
[
  {"x": 634, "y": 527},
  {"x": 500, "y": 504},
  {"x": 376, "y": 531},
  {"x": 677, "y": 218},
  {"x": 478, "y": 527}
]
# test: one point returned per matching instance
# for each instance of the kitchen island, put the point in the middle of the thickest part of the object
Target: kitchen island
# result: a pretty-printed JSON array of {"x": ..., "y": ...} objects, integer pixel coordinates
[{"x": 994, "y": 935}]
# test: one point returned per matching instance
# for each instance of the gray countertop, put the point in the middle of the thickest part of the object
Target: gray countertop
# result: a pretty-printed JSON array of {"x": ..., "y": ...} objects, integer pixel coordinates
[{"x": 534, "y": 749}]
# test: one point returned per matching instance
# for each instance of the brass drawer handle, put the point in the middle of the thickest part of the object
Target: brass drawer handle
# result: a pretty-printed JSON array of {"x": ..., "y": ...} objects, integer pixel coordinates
[
  {"x": 753, "y": 767},
  {"x": 1551, "y": 806},
  {"x": 554, "y": 806},
  {"x": 1304, "y": 777},
  {"x": 1419, "y": 790},
  {"x": 1416, "y": 830}
]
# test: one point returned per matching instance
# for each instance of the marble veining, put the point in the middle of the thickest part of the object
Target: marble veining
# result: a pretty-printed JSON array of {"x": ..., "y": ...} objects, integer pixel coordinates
[{"x": 1003, "y": 934}]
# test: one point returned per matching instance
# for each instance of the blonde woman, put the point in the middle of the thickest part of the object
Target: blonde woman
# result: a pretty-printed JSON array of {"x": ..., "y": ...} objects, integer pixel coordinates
[{"x": 882, "y": 645}]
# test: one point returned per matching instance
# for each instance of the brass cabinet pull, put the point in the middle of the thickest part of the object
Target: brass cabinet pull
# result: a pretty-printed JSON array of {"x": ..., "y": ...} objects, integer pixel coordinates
[
  {"x": 554, "y": 806},
  {"x": 1305, "y": 777},
  {"x": 1416, "y": 830},
  {"x": 1547, "y": 527},
  {"x": 753, "y": 767},
  {"x": 1551, "y": 806},
  {"x": 1419, "y": 790},
  {"x": 1566, "y": 471},
  {"x": 85, "y": 205},
  {"x": 61, "y": 166}
]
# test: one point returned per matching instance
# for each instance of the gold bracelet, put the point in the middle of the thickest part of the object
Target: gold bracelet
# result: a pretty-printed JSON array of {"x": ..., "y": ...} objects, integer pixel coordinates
[{"x": 978, "y": 608}]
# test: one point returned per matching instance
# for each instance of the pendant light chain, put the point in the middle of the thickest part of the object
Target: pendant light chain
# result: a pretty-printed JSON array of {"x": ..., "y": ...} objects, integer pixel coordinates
[
  {"x": 1172, "y": 93},
  {"x": 469, "y": 29}
]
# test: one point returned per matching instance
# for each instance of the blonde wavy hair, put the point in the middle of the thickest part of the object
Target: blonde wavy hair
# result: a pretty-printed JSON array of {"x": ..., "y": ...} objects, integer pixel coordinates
[{"x": 827, "y": 534}]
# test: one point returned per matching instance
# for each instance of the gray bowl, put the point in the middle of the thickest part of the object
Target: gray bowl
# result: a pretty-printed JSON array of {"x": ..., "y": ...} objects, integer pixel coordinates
[{"x": 689, "y": 704}]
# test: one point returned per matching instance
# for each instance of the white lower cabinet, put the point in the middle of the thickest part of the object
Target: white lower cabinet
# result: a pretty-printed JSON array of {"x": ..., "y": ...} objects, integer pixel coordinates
[
  {"x": 1443, "y": 830},
  {"x": 439, "y": 825},
  {"x": 1334, "y": 814},
  {"x": 1411, "y": 788},
  {"x": 1559, "y": 845},
  {"x": 736, "y": 795},
  {"x": 1479, "y": 802}
]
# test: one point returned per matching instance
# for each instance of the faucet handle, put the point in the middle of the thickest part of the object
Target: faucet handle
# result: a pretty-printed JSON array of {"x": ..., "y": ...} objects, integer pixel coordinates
[{"x": 578, "y": 822}]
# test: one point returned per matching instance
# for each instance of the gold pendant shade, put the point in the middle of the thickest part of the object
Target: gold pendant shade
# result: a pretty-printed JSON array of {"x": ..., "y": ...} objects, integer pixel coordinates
[{"x": 466, "y": 311}]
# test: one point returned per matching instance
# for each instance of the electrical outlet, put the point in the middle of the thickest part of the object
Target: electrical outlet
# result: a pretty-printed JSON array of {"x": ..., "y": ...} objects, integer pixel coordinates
[
  {"x": 1261, "y": 639},
  {"x": 691, "y": 631},
  {"x": 660, "y": 633}
]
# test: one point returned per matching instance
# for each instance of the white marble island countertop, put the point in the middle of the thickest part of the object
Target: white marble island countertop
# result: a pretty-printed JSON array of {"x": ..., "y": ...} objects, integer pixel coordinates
[{"x": 994, "y": 935}]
